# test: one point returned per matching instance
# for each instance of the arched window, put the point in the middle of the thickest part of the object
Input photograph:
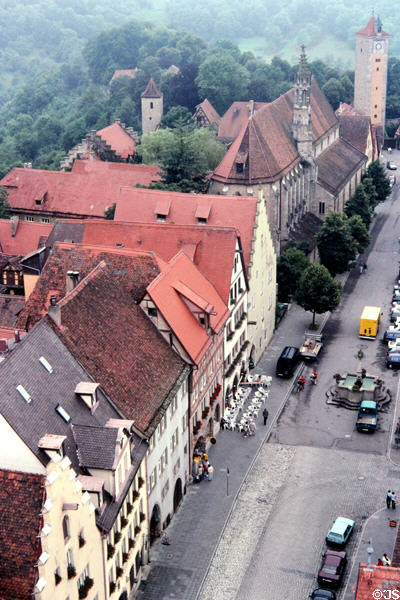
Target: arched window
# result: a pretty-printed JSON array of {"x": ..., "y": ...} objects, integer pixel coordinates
[{"x": 65, "y": 525}]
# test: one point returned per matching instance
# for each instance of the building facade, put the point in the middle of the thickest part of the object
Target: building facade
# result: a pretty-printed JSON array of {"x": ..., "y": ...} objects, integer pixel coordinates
[{"x": 152, "y": 108}]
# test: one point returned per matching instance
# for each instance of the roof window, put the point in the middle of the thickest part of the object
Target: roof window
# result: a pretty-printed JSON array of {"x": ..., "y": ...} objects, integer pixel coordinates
[
  {"x": 24, "y": 393},
  {"x": 201, "y": 221},
  {"x": 63, "y": 413},
  {"x": 46, "y": 364}
]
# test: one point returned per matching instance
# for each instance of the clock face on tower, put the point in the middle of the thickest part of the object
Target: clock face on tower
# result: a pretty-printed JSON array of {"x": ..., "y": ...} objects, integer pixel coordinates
[{"x": 379, "y": 46}]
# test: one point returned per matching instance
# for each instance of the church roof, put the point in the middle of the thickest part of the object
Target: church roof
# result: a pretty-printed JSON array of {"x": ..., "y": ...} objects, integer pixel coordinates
[
  {"x": 337, "y": 164},
  {"x": 355, "y": 129},
  {"x": 151, "y": 90},
  {"x": 372, "y": 28}
]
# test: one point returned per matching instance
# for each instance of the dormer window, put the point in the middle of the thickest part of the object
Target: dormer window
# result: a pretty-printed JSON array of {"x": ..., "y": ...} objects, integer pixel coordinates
[
  {"x": 201, "y": 221},
  {"x": 87, "y": 391},
  {"x": 202, "y": 321},
  {"x": 161, "y": 218},
  {"x": 239, "y": 168}
]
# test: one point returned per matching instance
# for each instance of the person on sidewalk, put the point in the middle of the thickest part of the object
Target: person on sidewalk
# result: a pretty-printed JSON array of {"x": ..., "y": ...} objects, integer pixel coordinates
[
  {"x": 252, "y": 428},
  {"x": 386, "y": 560},
  {"x": 210, "y": 473},
  {"x": 394, "y": 500},
  {"x": 388, "y": 499},
  {"x": 265, "y": 415},
  {"x": 313, "y": 377}
]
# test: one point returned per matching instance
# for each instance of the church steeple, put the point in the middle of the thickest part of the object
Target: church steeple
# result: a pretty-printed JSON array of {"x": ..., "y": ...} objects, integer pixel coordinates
[{"x": 301, "y": 122}]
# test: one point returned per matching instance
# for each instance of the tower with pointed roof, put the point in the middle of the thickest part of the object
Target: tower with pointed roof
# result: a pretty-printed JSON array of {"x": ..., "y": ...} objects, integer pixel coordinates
[
  {"x": 301, "y": 121},
  {"x": 152, "y": 108},
  {"x": 371, "y": 71}
]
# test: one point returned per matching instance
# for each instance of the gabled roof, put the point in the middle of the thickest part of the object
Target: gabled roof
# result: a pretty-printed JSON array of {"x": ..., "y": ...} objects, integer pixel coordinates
[
  {"x": 131, "y": 73},
  {"x": 376, "y": 578},
  {"x": 96, "y": 446},
  {"x": 27, "y": 237},
  {"x": 88, "y": 190},
  {"x": 234, "y": 118},
  {"x": 337, "y": 164},
  {"x": 371, "y": 29},
  {"x": 212, "y": 249},
  {"x": 178, "y": 281},
  {"x": 13, "y": 261},
  {"x": 239, "y": 212},
  {"x": 21, "y": 497},
  {"x": 266, "y": 140},
  {"x": 107, "y": 331},
  {"x": 356, "y": 130},
  {"x": 209, "y": 111},
  {"x": 10, "y": 307},
  {"x": 33, "y": 420},
  {"x": 151, "y": 90},
  {"x": 118, "y": 139}
]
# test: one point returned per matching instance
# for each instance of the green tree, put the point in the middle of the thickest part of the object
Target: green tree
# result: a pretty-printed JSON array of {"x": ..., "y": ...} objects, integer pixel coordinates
[
  {"x": 334, "y": 92},
  {"x": 290, "y": 266},
  {"x": 381, "y": 182},
  {"x": 359, "y": 232},
  {"x": 335, "y": 243},
  {"x": 5, "y": 208},
  {"x": 222, "y": 80},
  {"x": 177, "y": 115},
  {"x": 358, "y": 204},
  {"x": 370, "y": 190},
  {"x": 318, "y": 291}
]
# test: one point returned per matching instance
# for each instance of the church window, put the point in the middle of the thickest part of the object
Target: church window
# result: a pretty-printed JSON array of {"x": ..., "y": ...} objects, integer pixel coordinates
[
  {"x": 322, "y": 208},
  {"x": 377, "y": 68},
  {"x": 375, "y": 116},
  {"x": 151, "y": 105}
]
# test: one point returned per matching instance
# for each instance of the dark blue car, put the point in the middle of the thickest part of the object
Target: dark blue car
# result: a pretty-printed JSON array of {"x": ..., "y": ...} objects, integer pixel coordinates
[{"x": 393, "y": 360}]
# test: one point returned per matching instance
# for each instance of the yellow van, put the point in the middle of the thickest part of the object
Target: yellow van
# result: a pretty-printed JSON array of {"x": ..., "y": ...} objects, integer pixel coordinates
[{"x": 369, "y": 322}]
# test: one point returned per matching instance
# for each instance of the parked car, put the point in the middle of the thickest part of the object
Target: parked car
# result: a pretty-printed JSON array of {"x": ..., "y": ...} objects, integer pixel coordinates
[
  {"x": 391, "y": 334},
  {"x": 332, "y": 568},
  {"x": 321, "y": 594},
  {"x": 393, "y": 360},
  {"x": 340, "y": 532},
  {"x": 287, "y": 361},
  {"x": 391, "y": 165},
  {"x": 395, "y": 313}
]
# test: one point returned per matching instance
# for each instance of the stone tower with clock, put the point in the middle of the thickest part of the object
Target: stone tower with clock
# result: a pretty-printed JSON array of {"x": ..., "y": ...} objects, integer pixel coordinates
[{"x": 372, "y": 44}]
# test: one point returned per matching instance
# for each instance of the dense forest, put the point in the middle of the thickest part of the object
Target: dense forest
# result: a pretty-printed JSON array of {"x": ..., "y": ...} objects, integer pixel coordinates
[{"x": 57, "y": 63}]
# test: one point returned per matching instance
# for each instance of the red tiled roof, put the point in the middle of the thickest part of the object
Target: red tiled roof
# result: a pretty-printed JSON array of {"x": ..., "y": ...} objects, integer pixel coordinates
[
  {"x": 21, "y": 499},
  {"x": 209, "y": 111},
  {"x": 87, "y": 190},
  {"x": 378, "y": 578},
  {"x": 75, "y": 257},
  {"x": 28, "y": 237},
  {"x": 124, "y": 73},
  {"x": 267, "y": 140},
  {"x": 356, "y": 130},
  {"x": 371, "y": 29},
  {"x": 120, "y": 141},
  {"x": 211, "y": 249},
  {"x": 239, "y": 212},
  {"x": 180, "y": 280},
  {"x": 151, "y": 90},
  {"x": 10, "y": 307},
  {"x": 235, "y": 117},
  {"x": 104, "y": 327},
  {"x": 6, "y": 333},
  {"x": 337, "y": 164},
  {"x": 345, "y": 109}
]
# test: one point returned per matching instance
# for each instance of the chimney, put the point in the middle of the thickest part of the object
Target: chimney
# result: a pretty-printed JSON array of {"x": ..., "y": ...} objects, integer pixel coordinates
[
  {"x": 16, "y": 336},
  {"x": 3, "y": 346},
  {"x": 72, "y": 280},
  {"x": 14, "y": 225},
  {"x": 54, "y": 311}
]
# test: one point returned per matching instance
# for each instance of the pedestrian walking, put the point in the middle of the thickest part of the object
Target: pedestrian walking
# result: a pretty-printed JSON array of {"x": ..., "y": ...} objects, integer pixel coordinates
[
  {"x": 365, "y": 267},
  {"x": 210, "y": 473},
  {"x": 361, "y": 268},
  {"x": 165, "y": 539},
  {"x": 252, "y": 428},
  {"x": 313, "y": 377},
  {"x": 389, "y": 499},
  {"x": 386, "y": 560},
  {"x": 394, "y": 500},
  {"x": 265, "y": 415}
]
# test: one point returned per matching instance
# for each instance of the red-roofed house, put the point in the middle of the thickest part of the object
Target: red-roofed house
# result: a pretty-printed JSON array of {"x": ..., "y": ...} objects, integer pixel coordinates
[
  {"x": 384, "y": 579},
  {"x": 246, "y": 214},
  {"x": 279, "y": 147},
  {"x": 206, "y": 115},
  {"x": 115, "y": 143},
  {"x": 87, "y": 191},
  {"x": 131, "y": 73},
  {"x": 189, "y": 313},
  {"x": 18, "y": 237}
]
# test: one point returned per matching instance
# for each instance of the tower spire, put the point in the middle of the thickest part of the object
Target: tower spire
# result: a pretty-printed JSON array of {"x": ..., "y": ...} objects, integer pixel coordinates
[{"x": 301, "y": 121}]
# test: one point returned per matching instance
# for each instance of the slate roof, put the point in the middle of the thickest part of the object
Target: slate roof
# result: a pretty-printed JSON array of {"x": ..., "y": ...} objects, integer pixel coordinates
[
  {"x": 378, "y": 578},
  {"x": 181, "y": 281},
  {"x": 115, "y": 341},
  {"x": 95, "y": 446},
  {"x": 87, "y": 191},
  {"x": 13, "y": 261},
  {"x": 10, "y": 307},
  {"x": 355, "y": 129},
  {"x": 266, "y": 139},
  {"x": 34, "y": 420},
  {"x": 133, "y": 275},
  {"x": 21, "y": 499},
  {"x": 28, "y": 237},
  {"x": 151, "y": 90},
  {"x": 239, "y": 212},
  {"x": 212, "y": 249},
  {"x": 337, "y": 164},
  {"x": 118, "y": 139}
]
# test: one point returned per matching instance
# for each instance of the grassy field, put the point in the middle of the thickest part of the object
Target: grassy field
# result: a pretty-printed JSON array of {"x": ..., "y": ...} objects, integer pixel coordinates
[{"x": 329, "y": 49}]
